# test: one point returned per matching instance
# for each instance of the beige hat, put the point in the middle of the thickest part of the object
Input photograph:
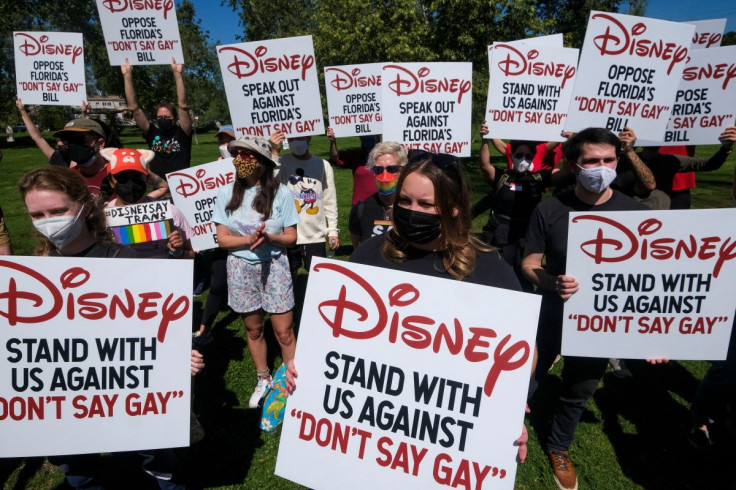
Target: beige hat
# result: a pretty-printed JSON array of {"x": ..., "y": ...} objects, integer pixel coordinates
[{"x": 256, "y": 144}]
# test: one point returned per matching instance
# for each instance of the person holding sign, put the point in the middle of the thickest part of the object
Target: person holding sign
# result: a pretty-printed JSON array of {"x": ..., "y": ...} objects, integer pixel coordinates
[
  {"x": 356, "y": 161},
  {"x": 547, "y": 156},
  {"x": 128, "y": 173},
  {"x": 372, "y": 215},
  {"x": 170, "y": 138},
  {"x": 256, "y": 220},
  {"x": 592, "y": 155}
]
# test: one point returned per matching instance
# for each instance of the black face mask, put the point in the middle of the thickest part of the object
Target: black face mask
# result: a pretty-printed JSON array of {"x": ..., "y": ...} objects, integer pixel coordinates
[
  {"x": 131, "y": 190},
  {"x": 64, "y": 152},
  {"x": 83, "y": 155},
  {"x": 415, "y": 226},
  {"x": 165, "y": 125}
]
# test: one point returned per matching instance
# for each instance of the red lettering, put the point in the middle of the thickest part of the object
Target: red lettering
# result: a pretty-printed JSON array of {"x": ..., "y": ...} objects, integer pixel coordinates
[
  {"x": 115, "y": 6},
  {"x": 190, "y": 185},
  {"x": 344, "y": 80},
  {"x": 407, "y": 83},
  {"x": 516, "y": 63},
  {"x": 727, "y": 71},
  {"x": 246, "y": 64},
  {"x": 32, "y": 47}
]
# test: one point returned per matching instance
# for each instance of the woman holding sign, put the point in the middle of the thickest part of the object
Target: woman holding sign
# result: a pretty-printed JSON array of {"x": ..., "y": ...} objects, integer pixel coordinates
[{"x": 256, "y": 220}]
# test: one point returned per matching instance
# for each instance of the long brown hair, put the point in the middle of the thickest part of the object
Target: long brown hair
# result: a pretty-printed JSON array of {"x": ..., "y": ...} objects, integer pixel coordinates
[
  {"x": 458, "y": 247},
  {"x": 263, "y": 202},
  {"x": 61, "y": 179}
]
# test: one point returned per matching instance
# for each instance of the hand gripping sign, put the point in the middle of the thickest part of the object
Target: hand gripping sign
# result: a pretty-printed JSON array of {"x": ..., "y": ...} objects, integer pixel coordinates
[
  {"x": 94, "y": 354},
  {"x": 49, "y": 68},
  {"x": 404, "y": 382}
]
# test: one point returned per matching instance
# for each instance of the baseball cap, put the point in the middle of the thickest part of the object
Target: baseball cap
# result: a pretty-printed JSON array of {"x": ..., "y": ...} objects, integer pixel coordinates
[{"x": 81, "y": 125}]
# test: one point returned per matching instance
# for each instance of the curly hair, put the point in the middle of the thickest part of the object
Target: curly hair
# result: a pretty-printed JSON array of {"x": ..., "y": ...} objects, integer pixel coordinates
[
  {"x": 61, "y": 179},
  {"x": 459, "y": 248}
]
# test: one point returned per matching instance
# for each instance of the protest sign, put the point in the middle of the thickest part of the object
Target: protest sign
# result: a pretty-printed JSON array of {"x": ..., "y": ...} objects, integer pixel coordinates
[
  {"x": 428, "y": 106},
  {"x": 354, "y": 99},
  {"x": 628, "y": 74},
  {"x": 529, "y": 90},
  {"x": 140, "y": 223},
  {"x": 708, "y": 33},
  {"x": 705, "y": 103},
  {"x": 194, "y": 191},
  {"x": 652, "y": 284},
  {"x": 272, "y": 86},
  {"x": 92, "y": 359},
  {"x": 144, "y": 33},
  {"x": 404, "y": 382},
  {"x": 49, "y": 68}
]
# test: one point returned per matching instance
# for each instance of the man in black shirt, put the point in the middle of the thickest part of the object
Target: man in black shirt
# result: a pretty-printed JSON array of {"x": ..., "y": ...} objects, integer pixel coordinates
[{"x": 592, "y": 155}]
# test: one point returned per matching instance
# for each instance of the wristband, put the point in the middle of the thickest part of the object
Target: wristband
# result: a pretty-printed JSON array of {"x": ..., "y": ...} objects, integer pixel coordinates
[{"x": 177, "y": 254}]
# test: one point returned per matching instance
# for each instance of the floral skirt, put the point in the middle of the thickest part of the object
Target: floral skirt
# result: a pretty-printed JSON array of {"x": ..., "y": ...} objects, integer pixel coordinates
[{"x": 265, "y": 285}]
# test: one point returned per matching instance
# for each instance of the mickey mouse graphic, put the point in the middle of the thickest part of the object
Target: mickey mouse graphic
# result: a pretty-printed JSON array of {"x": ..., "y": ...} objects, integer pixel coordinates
[{"x": 307, "y": 195}]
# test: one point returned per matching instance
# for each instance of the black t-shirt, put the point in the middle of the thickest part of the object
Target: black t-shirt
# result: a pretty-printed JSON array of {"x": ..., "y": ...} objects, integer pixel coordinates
[
  {"x": 369, "y": 218},
  {"x": 173, "y": 152},
  {"x": 103, "y": 250},
  {"x": 490, "y": 268},
  {"x": 57, "y": 160},
  {"x": 515, "y": 195},
  {"x": 547, "y": 231}
]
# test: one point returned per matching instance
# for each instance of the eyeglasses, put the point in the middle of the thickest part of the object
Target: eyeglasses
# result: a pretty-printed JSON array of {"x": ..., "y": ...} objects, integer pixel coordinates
[
  {"x": 235, "y": 152},
  {"x": 392, "y": 169},
  {"x": 525, "y": 156}
]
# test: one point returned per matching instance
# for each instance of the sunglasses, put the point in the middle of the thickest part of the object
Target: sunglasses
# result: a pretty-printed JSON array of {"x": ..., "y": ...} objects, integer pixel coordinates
[
  {"x": 441, "y": 160},
  {"x": 526, "y": 156},
  {"x": 241, "y": 152},
  {"x": 392, "y": 169}
]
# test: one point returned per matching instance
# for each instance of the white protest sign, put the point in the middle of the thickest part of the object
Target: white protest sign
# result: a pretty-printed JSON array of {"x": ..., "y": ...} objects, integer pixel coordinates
[
  {"x": 194, "y": 191},
  {"x": 92, "y": 359},
  {"x": 652, "y": 284},
  {"x": 49, "y": 68},
  {"x": 705, "y": 103},
  {"x": 529, "y": 90},
  {"x": 144, "y": 32},
  {"x": 272, "y": 86},
  {"x": 428, "y": 106},
  {"x": 354, "y": 99},
  {"x": 405, "y": 383},
  {"x": 708, "y": 33},
  {"x": 628, "y": 74}
]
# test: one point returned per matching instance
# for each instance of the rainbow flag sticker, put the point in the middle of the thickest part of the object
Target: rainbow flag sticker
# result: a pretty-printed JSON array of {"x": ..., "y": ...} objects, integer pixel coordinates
[{"x": 141, "y": 233}]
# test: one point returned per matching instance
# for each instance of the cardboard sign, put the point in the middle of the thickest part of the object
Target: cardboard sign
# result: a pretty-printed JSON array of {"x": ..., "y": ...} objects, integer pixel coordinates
[
  {"x": 93, "y": 360},
  {"x": 405, "y": 383},
  {"x": 140, "y": 223},
  {"x": 708, "y": 33},
  {"x": 628, "y": 74},
  {"x": 653, "y": 284},
  {"x": 705, "y": 104},
  {"x": 194, "y": 191},
  {"x": 354, "y": 99},
  {"x": 272, "y": 86},
  {"x": 49, "y": 68},
  {"x": 428, "y": 106},
  {"x": 529, "y": 90},
  {"x": 146, "y": 33}
]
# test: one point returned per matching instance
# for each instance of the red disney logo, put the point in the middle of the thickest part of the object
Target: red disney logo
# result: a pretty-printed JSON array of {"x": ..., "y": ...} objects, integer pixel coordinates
[
  {"x": 619, "y": 41},
  {"x": 32, "y": 47},
  {"x": 344, "y": 80},
  {"x": 411, "y": 83},
  {"x": 727, "y": 71},
  {"x": 615, "y": 242},
  {"x": 115, "y": 6},
  {"x": 516, "y": 63},
  {"x": 252, "y": 64},
  {"x": 47, "y": 302},
  {"x": 415, "y": 335},
  {"x": 192, "y": 184}
]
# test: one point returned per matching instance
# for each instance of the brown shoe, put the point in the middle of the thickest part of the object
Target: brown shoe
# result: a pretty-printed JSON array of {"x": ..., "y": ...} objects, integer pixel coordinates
[{"x": 564, "y": 470}]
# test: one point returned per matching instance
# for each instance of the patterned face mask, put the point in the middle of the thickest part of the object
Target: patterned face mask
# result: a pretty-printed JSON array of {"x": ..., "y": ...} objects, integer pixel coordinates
[{"x": 245, "y": 165}]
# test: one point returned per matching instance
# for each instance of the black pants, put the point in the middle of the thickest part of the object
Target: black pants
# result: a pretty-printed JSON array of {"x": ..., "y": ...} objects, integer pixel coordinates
[
  {"x": 218, "y": 287},
  {"x": 303, "y": 254}
]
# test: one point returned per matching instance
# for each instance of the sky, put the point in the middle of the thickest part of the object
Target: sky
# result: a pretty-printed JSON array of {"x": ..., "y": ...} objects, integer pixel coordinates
[{"x": 223, "y": 23}]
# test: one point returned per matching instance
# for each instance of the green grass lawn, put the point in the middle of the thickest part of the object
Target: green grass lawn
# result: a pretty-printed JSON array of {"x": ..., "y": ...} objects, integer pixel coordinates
[{"x": 631, "y": 436}]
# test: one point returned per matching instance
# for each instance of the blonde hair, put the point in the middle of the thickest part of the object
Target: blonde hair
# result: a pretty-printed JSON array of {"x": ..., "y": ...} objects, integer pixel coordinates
[{"x": 387, "y": 148}]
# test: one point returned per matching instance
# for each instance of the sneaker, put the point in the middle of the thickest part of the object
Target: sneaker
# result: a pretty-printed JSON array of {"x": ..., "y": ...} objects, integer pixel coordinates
[
  {"x": 619, "y": 368},
  {"x": 264, "y": 384},
  {"x": 199, "y": 288},
  {"x": 563, "y": 469}
]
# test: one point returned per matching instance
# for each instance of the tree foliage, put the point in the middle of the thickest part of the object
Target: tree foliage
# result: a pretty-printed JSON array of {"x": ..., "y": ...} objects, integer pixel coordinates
[{"x": 729, "y": 39}]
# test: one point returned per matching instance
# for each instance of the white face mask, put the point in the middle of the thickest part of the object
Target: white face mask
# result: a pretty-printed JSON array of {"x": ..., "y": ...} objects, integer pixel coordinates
[
  {"x": 596, "y": 179},
  {"x": 521, "y": 165},
  {"x": 299, "y": 147},
  {"x": 62, "y": 230},
  {"x": 223, "y": 151}
]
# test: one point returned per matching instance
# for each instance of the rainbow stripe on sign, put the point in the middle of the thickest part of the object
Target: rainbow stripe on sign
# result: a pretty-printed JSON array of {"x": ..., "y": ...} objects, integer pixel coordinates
[{"x": 141, "y": 233}]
